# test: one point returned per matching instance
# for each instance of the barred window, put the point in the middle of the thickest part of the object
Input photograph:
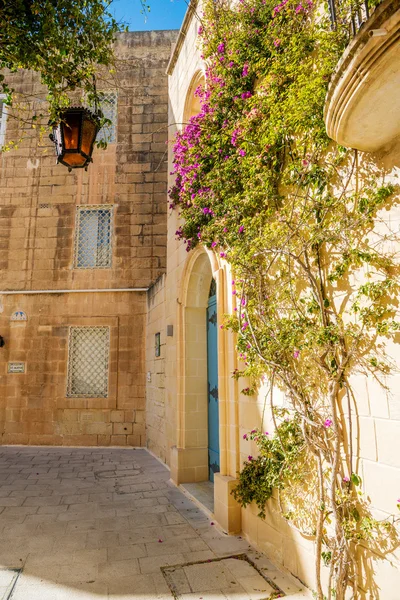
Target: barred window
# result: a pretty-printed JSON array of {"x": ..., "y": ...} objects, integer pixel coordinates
[
  {"x": 3, "y": 119},
  {"x": 93, "y": 237},
  {"x": 88, "y": 358},
  {"x": 109, "y": 107}
]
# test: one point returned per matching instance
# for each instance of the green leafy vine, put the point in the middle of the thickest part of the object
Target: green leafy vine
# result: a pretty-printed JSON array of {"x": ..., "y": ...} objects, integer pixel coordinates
[{"x": 302, "y": 223}]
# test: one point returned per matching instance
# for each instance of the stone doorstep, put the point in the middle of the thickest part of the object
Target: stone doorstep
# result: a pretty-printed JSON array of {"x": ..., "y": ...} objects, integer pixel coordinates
[{"x": 220, "y": 576}]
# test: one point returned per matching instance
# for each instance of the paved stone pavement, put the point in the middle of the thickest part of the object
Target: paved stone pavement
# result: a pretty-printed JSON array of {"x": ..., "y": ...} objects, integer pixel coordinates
[{"x": 96, "y": 524}]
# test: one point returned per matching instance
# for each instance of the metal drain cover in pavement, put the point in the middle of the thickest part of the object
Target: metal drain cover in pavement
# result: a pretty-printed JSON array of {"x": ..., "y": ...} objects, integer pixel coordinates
[
  {"x": 232, "y": 577},
  {"x": 8, "y": 579}
]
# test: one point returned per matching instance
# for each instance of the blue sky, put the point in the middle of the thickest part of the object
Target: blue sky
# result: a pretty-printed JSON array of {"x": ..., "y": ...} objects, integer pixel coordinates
[{"x": 164, "y": 14}]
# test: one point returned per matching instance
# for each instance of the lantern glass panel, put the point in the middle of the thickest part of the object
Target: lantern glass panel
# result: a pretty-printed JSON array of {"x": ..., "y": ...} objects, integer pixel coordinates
[
  {"x": 89, "y": 131},
  {"x": 74, "y": 160},
  {"x": 71, "y": 127}
]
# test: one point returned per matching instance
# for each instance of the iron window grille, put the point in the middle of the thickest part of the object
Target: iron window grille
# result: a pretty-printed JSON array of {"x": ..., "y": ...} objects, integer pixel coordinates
[
  {"x": 93, "y": 248},
  {"x": 109, "y": 108},
  {"x": 88, "y": 360}
]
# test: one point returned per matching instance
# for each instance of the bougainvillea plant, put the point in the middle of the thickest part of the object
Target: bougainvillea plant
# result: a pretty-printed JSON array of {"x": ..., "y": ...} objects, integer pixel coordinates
[{"x": 300, "y": 220}]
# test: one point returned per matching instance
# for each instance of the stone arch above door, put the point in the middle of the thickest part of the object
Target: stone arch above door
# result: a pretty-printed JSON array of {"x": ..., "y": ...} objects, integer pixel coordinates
[{"x": 192, "y": 102}]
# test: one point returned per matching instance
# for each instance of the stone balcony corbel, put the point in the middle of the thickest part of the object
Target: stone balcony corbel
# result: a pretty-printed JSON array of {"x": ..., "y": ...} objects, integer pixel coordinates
[{"x": 362, "y": 108}]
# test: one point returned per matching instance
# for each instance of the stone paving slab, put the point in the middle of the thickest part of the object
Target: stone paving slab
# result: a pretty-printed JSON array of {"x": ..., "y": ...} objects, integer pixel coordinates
[
  {"x": 224, "y": 578},
  {"x": 101, "y": 523}
]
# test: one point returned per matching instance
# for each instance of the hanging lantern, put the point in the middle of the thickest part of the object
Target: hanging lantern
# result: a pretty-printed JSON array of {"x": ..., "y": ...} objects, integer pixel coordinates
[{"x": 74, "y": 135}]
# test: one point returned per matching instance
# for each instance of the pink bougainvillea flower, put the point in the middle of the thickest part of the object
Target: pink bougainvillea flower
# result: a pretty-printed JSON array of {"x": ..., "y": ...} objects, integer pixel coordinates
[
  {"x": 346, "y": 479},
  {"x": 222, "y": 254},
  {"x": 245, "y": 326},
  {"x": 241, "y": 229},
  {"x": 160, "y": 541},
  {"x": 221, "y": 48},
  {"x": 213, "y": 244},
  {"x": 245, "y": 71},
  {"x": 296, "y": 353},
  {"x": 245, "y": 437},
  {"x": 277, "y": 42},
  {"x": 266, "y": 433},
  {"x": 225, "y": 230},
  {"x": 234, "y": 137},
  {"x": 327, "y": 423},
  {"x": 250, "y": 458},
  {"x": 234, "y": 293},
  {"x": 278, "y": 8},
  {"x": 233, "y": 282}
]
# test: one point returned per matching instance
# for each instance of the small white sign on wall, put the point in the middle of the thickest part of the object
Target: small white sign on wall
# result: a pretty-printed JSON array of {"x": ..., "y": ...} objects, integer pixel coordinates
[
  {"x": 16, "y": 367},
  {"x": 19, "y": 315}
]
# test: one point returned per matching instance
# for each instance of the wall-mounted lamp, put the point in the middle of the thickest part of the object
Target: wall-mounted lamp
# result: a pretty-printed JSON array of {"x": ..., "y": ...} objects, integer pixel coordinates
[
  {"x": 377, "y": 32},
  {"x": 74, "y": 135}
]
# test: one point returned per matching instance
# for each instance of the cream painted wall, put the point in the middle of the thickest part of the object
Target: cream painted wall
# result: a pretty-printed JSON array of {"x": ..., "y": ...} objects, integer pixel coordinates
[{"x": 377, "y": 413}]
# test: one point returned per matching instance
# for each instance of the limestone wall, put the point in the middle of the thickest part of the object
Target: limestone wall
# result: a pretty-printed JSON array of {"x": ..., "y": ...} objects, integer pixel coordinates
[
  {"x": 188, "y": 63},
  {"x": 34, "y": 408},
  {"x": 38, "y": 198},
  {"x": 376, "y": 415},
  {"x": 155, "y": 370},
  {"x": 38, "y": 206}
]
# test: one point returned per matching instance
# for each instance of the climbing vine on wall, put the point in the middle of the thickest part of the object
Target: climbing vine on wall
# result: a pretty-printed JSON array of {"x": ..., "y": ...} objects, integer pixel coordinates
[{"x": 300, "y": 219}]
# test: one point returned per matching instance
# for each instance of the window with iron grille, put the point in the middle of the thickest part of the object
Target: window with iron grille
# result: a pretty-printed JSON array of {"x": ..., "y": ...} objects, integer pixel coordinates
[
  {"x": 3, "y": 119},
  {"x": 88, "y": 358},
  {"x": 93, "y": 237},
  {"x": 109, "y": 107}
]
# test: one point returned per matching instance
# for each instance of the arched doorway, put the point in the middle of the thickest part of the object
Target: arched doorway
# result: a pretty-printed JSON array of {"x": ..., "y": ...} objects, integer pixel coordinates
[
  {"x": 207, "y": 409},
  {"x": 197, "y": 356},
  {"x": 212, "y": 383}
]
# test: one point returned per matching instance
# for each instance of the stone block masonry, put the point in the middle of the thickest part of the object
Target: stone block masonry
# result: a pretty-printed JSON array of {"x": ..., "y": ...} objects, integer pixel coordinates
[
  {"x": 39, "y": 204},
  {"x": 39, "y": 199},
  {"x": 34, "y": 405}
]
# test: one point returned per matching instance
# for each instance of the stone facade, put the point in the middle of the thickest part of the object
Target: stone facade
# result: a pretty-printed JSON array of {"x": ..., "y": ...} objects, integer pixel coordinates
[
  {"x": 34, "y": 408},
  {"x": 38, "y": 225},
  {"x": 155, "y": 366},
  {"x": 158, "y": 399},
  {"x": 186, "y": 284}
]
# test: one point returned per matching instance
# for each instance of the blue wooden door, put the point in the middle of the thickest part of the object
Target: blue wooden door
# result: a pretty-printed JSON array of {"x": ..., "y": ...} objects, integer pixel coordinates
[{"x": 212, "y": 370}]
